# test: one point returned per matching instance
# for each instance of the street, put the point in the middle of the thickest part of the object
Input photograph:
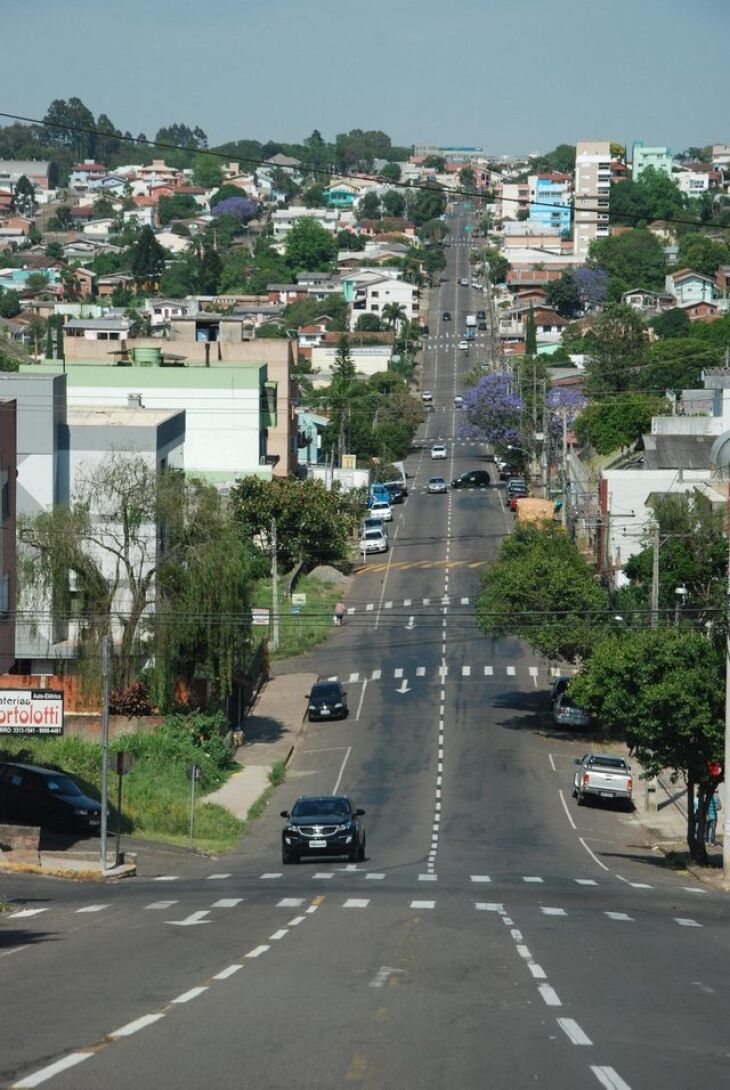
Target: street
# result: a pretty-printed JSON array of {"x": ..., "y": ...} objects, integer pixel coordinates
[{"x": 495, "y": 936}]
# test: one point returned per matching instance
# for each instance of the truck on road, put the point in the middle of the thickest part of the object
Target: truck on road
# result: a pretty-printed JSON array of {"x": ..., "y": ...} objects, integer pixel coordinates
[
  {"x": 471, "y": 321},
  {"x": 602, "y": 776}
]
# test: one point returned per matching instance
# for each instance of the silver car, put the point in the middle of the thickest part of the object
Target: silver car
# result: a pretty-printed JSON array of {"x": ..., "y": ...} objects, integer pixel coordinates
[
  {"x": 437, "y": 484},
  {"x": 568, "y": 714},
  {"x": 374, "y": 541}
]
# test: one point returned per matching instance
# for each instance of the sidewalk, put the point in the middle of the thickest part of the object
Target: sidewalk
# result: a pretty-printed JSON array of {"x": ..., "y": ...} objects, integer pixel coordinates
[{"x": 270, "y": 734}]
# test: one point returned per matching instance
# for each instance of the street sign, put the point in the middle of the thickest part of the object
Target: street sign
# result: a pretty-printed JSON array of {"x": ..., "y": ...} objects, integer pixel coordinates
[
  {"x": 349, "y": 461},
  {"x": 468, "y": 227},
  {"x": 298, "y": 599},
  {"x": 259, "y": 616},
  {"x": 124, "y": 762}
]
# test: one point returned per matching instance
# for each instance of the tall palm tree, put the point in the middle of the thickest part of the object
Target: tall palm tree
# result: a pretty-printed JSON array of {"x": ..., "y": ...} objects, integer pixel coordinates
[{"x": 393, "y": 314}]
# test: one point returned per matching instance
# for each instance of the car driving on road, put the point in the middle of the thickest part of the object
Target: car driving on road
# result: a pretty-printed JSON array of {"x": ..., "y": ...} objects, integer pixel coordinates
[
  {"x": 463, "y": 346},
  {"x": 438, "y": 450},
  {"x": 327, "y": 700},
  {"x": 473, "y": 478},
  {"x": 436, "y": 484},
  {"x": 322, "y": 825},
  {"x": 374, "y": 541}
]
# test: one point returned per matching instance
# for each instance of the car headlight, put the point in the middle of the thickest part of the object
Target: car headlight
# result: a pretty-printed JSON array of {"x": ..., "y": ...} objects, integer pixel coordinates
[
  {"x": 345, "y": 828},
  {"x": 82, "y": 813},
  {"x": 338, "y": 705},
  {"x": 291, "y": 829}
]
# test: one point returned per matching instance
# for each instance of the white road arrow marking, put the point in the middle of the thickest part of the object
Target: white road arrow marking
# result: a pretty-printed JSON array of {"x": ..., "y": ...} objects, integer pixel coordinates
[
  {"x": 404, "y": 687},
  {"x": 191, "y": 920},
  {"x": 411, "y": 624}
]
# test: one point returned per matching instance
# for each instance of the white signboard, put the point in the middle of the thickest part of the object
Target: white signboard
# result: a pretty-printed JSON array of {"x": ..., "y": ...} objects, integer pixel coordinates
[
  {"x": 259, "y": 616},
  {"x": 31, "y": 711}
]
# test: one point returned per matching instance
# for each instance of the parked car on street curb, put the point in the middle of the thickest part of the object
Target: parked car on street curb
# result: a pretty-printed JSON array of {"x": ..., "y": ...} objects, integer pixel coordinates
[
  {"x": 327, "y": 700},
  {"x": 604, "y": 776},
  {"x": 568, "y": 714},
  {"x": 323, "y": 825},
  {"x": 374, "y": 541},
  {"x": 34, "y": 795},
  {"x": 380, "y": 509}
]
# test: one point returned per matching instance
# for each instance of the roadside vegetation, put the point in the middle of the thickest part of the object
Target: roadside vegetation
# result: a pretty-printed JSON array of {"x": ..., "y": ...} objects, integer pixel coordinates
[{"x": 302, "y": 630}]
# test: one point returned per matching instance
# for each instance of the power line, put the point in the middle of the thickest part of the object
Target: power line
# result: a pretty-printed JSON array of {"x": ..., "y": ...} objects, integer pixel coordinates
[{"x": 331, "y": 174}]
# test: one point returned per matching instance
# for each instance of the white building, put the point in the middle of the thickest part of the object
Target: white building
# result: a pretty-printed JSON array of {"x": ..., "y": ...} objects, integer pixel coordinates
[
  {"x": 592, "y": 188},
  {"x": 370, "y": 291},
  {"x": 283, "y": 219}
]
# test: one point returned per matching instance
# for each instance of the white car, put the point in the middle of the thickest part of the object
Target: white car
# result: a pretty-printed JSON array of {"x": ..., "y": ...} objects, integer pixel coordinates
[
  {"x": 463, "y": 282},
  {"x": 381, "y": 510},
  {"x": 427, "y": 397},
  {"x": 463, "y": 346},
  {"x": 438, "y": 450},
  {"x": 371, "y": 523},
  {"x": 458, "y": 401},
  {"x": 437, "y": 484},
  {"x": 374, "y": 541}
]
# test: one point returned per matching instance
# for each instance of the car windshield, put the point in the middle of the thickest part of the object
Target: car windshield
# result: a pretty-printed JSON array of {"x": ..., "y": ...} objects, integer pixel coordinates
[
  {"x": 437, "y": 480},
  {"x": 63, "y": 785},
  {"x": 326, "y": 692},
  {"x": 315, "y": 807},
  {"x": 609, "y": 762},
  {"x": 373, "y": 535}
]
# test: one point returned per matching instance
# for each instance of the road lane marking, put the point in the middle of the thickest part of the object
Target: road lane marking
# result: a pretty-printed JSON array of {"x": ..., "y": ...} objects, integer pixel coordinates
[
  {"x": 228, "y": 971},
  {"x": 92, "y": 908},
  {"x": 585, "y": 881},
  {"x": 353, "y": 678},
  {"x": 537, "y": 970},
  {"x": 619, "y": 916},
  {"x": 193, "y": 920},
  {"x": 296, "y": 921},
  {"x": 488, "y": 671},
  {"x": 609, "y": 1078},
  {"x": 227, "y": 902},
  {"x": 533, "y": 674},
  {"x": 290, "y": 902},
  {"x": 524, "y": 951},
  {"x": 488, "y": 906},
  {"x": 553, "y": 911},
  {"x": 592, "y": 854},
  {"x": 685, "y": 922},
  {"x": 376, "y": 675},
  {"x": 193, "y": 993},
  {"x": 356, "y": 902},
  {"x": 373, "y": 877},
  {"x": 136, "y": 1026},
  {"x": 161, "y": 904},
  {"x": 324, "y": 875},
  {"x": 428, "y": 877},
  {"x": 273, "y": 874},
  {"x": 531, "y": 878},
  {"x": 398, "y": 672},
  {"x": 640, "y": 885},
  {"x": 257, "y": 951},
  {"x": 423, "y": 904},
  {"x": 480, "y": 878},
  {"x": 26, "y": 913},
  {"x": 420, "y": 671},
  {"x": 360, "y": 701},
  {"x": 552, "y": 762},
  {"x": 573, "y": 1032},
  {"x": 166, "y": 878},
  {"x": 56, "y": 1068},
  {"x": 278, "y": 934},
  {"x": 466, "y": 671},
  {"x": 511, "y": 671},
  {"x": 212, "y": 877},
  {"x": 345, "y": 759},
  {"x": 549, "y": 995}
]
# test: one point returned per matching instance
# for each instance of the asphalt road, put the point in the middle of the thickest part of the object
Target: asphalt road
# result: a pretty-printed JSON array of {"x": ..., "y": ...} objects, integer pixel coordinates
[{"x": 495, "y": 936}]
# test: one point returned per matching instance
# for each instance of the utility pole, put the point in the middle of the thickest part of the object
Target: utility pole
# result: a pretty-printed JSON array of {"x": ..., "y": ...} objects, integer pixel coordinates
[
  {"x": 726, "y": 822},
  {"x": 655, "y": 575},
  {"x": 104, "y": 753},
  {"x": 274, "y": 590},
  {"x": 564, "y": 507}
]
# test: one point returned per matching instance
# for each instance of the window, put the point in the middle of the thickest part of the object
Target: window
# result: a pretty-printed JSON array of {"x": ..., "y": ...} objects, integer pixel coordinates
[
  {"x": 5, "y": 597},
  {"x": 4, "y": 495}
]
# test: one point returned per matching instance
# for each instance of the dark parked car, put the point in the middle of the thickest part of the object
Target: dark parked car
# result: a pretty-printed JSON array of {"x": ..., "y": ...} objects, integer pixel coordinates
[
  {"x": 473, "y": 478},
  {"x": 396, "y": 491},
  {"x": 322, "y": 825},
  {"x": 481, "y": 315},
  {"x": 33, "y": 795},
  {"x": 327, "y": 700},
  {"x": 482, "y": 324}
]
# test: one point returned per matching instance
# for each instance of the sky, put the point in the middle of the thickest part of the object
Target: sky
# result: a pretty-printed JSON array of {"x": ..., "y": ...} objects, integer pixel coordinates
[{"x": 512, "y": 76}]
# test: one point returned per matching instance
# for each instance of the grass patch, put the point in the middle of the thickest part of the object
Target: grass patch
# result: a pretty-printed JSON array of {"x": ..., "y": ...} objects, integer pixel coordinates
[
  {"x": 156, "y": 793},
  {"x": 277, "y": 775},
  {"x": 302, "y": 631}
]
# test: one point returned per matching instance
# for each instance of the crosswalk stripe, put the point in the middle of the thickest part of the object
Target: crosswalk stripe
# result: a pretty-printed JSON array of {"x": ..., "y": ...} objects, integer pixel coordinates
[
  {"x": 510, "y": 671},
  {"x": 466, "y": 671},
  {"x": 686, "y": 923},
  {"x": 376, "y": 675},
  {"x": 92, "y": 908},
  {"x": 465, "y": 601},
  {"x": 406, "y": 602},
  {"x": 388, "y": 605},
  {"x": 619, "y": 916},
  {"x": 398, "y": 672},
  {"x": 531, "y": 878},
  {"x": 354, "y": 677},
  {"x": 356, "y": 902},
  {"x": 553, "y": 911},
  {"x": 370, "y": 607},
  {"x": 586, "y": 881},
  {"x": 161, "y": 904},
  {"x": 420, "y": 671}
]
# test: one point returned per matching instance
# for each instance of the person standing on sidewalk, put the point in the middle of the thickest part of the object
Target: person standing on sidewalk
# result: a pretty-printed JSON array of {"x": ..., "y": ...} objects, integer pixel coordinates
[
  {"x": 340, "y": 610},
  {"x": 713, "y": 807}
]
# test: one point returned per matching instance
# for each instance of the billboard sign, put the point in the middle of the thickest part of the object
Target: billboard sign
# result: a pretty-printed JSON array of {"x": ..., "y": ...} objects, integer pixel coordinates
[
  {"x": 31, "y": 711},
  {"x": 259, "y": 616}
]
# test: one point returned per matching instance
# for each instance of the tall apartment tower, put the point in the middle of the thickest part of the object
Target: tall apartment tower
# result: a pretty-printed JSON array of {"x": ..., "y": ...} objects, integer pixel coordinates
[{"x": 592, "y": 187}]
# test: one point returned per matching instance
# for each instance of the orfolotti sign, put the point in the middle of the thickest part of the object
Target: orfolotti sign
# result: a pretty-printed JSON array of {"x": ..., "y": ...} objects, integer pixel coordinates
[{"x": 31, "y": 711}]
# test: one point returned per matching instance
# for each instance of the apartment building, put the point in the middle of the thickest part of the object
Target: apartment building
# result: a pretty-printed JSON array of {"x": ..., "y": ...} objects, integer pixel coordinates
[
  {"x": 658, "y": 158},
  {"x": 592, "y": 186}
]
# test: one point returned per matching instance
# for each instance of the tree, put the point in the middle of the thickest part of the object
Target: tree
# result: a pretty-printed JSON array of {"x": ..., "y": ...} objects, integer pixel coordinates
[
  {"x": 433, "y": 231},
  {"x": 498, "y": 265},
  {"x": 315, "y": 196},
  {"x": 148, "y": 258},
  {"x": 530, "y": 334},
  {"x": 210, "y": 268},
  {"x": 394, "y": 204},
  {"x": 391, "y": 172},
  {"x": 541, "y": 590},
  {"x": 428, "y": 204},
  {"x": 9, "y": 303},
  {"x": 435, "y": 162},
  {"x": 54, "y": 251},
  {"x": 677, "y": 363},
  {"x": 663, "y": 690},
  {"x": 368, "y": 323},
  {"x": 493, "y": 410},
  {"x": 241, "y": 208},
  {"x": 619, "y": 350},
  {"x": 305, "y": 311},
  {"x": 393, "y": 314},
  {"x": 560, "y": 159},
  {"x": 98, "y": 559},
  {"x": 24, "y": 197},
  {"x": 71, "y": 124},
  {"x": 368, "y": 207},
  {"x": 564, "y": 295},
  {"x": 312, "y": 524},
  {"x": 632, "y": 260},
  {"x": 434, "y": 261},
  {"x": 348, "y": 240},
  {"x": 672, "y": 323},
  {"x": 703, "y": 254},
  {"x": 309, "y": 246},
  {"x": 467, "y": 178},
  {"x": 207, "y": 171},
  {"x": 616, "y": 422},
  {"x": 693, "y": 554},
  {"x": 178, "y": 207}
]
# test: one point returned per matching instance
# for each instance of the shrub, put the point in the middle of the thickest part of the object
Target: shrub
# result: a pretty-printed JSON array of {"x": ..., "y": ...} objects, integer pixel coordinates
[{"x": 132, "y": 701}]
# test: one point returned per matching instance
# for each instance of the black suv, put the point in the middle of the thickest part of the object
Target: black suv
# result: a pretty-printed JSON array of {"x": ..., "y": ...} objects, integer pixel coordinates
[
  {"x": 396, "y": 491},
  {"x": 481, "y": 315},
  {"x": 327, "y": 700},
  {"x": 322, "y": 825},
  {"x": 473, "y": 478},
  {"x": 33, "y": 795}
]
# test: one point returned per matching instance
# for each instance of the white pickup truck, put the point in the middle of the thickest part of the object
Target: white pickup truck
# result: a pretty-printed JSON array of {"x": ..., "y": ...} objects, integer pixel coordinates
[{"x": 602, "y": 776}]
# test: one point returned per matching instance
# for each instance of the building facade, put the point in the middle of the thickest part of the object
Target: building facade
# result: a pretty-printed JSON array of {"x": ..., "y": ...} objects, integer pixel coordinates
[
  {"x": 591, "y": 197},
  {"x": 550, "y": 200},
  {"x": 658, "y": 158}
]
